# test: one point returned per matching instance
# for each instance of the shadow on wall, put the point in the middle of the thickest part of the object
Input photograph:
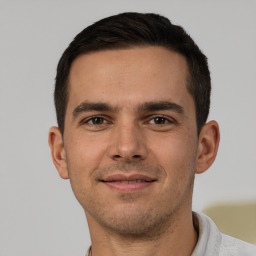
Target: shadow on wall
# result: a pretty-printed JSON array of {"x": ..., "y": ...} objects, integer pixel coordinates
[{"x": 235, "y": 219}]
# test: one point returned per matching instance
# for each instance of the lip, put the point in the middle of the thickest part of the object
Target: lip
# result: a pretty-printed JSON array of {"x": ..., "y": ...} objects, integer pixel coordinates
[
  {"x": 122, "y": 177},
  {"x": 128, "y": 183}
]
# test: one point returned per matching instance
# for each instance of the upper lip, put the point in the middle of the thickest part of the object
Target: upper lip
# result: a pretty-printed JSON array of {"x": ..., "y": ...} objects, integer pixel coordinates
[{"x": 123, "y": 177}]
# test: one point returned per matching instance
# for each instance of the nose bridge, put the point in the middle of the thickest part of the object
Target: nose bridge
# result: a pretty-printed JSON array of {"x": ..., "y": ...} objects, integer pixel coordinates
[{"x": 128, "y": 141}]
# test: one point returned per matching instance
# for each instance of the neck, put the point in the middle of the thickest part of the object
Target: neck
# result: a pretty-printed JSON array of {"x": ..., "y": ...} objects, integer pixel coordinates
[{"x": 179, "y": 238}]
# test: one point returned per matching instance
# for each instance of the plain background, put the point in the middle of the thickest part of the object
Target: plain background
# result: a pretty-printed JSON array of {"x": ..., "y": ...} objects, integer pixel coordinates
[{"x": 38, "y": 213}]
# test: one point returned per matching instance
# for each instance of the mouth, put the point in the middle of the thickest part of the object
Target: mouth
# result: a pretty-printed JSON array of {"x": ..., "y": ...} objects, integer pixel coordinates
[{"x": 128, "y": 184}]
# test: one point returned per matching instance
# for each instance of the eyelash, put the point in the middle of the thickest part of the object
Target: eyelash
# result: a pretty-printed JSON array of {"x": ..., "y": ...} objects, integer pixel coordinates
[
  {"x": 167, "y": 120},
  {"x": 87, "y": 120}
]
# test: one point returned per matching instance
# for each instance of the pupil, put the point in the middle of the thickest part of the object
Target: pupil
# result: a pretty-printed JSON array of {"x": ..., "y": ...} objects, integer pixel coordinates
[
  {"x": 160, "y": 120},
  {"x": 97, "y": 120}
]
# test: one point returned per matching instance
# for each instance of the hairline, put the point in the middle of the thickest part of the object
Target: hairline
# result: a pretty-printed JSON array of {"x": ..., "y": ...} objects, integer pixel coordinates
[{"x": 189, "y": 79}]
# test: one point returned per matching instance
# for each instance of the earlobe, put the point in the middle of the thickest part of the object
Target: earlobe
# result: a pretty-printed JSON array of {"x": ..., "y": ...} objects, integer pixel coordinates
[
  {"x": 57, "y": 152},
  {"x": 208, "y": 146}
]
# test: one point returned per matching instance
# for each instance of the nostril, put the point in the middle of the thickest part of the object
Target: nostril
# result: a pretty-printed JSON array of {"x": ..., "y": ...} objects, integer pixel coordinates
[{"x": 133, "y": 157}]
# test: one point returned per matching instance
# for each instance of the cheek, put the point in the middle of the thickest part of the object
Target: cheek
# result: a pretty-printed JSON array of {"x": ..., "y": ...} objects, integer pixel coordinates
[
  {"x": 83, "y": 158},
  {"x": 175, "y": 154},
  {"x": 85, "y": 151}
]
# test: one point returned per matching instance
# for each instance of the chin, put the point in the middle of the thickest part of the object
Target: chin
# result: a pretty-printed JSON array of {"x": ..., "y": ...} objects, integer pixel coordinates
[{"x": 134, "y": 223}]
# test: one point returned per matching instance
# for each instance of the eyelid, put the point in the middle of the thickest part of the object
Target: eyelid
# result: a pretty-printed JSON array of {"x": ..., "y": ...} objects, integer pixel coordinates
[
  {"x": 87, "y": 119},
  {"x": 107, "y": 119},
  {"x": 168, "y": 118}
]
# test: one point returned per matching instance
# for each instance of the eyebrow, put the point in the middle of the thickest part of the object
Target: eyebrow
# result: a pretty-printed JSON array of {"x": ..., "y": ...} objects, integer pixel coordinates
[
  {"x": 161, "y": 105},
  {"x": 90, "y": 106},
  {"x": 145, "y": 107}
]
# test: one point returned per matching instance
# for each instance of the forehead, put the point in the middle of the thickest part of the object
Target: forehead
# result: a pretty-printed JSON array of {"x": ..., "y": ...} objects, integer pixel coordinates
[{"x": 128, "y": 77}]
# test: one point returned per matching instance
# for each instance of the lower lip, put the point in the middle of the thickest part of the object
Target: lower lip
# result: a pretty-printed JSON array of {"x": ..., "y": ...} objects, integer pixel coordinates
[{"x": 128, "y": 187}]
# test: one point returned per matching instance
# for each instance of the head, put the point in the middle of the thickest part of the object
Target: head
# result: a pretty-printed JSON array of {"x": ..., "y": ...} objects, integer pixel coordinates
[
  {"x": 132, "y": 97},
  {"x": 128, "y": 30}
]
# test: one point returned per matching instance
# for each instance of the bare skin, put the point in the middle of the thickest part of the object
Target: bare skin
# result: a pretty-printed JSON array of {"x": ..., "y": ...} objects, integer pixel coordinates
[{"x": 130, "y": 149}]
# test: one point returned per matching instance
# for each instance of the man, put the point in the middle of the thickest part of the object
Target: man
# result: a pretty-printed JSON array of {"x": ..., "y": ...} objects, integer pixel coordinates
[{"x": 132, "y": 97}]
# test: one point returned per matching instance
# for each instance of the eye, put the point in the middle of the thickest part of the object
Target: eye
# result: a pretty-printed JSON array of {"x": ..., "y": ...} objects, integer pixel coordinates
[
  {"x": 160, "y": 120},
  {"x": 96, "y": 120}
]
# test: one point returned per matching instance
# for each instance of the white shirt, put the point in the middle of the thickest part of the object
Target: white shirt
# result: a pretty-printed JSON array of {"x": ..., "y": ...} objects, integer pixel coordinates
[{"x": 212, "y": 242}]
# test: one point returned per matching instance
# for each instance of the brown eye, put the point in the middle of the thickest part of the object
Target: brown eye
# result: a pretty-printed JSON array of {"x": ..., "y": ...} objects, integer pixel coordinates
[
  {"x": 160, "y": 120},
  {"x": 96, "y": 120}
]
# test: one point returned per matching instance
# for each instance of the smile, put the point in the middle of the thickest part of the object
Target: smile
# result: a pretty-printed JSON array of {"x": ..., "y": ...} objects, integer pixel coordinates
[
  {"x": 128, "y": 184},
  {"x": 130, "y": 181}
]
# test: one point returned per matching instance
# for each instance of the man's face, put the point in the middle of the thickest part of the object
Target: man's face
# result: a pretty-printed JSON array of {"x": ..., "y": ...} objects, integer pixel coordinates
[{"x": 130, "y": 139}]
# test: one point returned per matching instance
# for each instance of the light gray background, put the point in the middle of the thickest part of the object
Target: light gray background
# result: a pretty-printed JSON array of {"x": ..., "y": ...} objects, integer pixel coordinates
[{"x": 39, "y": 214}]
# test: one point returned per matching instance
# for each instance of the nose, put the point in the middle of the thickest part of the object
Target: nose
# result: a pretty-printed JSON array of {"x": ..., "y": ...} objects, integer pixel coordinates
[{"x": 128, "y": 144}]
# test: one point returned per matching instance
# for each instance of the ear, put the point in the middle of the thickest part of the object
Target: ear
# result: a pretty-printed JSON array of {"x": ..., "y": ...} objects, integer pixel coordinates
[
  {"x": 58, "y": 152},
  {"x": 208, "y": 146}
]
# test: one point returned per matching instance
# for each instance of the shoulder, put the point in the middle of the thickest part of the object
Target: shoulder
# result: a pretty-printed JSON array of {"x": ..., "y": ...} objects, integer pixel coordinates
[
  {"x": 231, "y": 246},
  {"x": 212, "y": 242}
]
